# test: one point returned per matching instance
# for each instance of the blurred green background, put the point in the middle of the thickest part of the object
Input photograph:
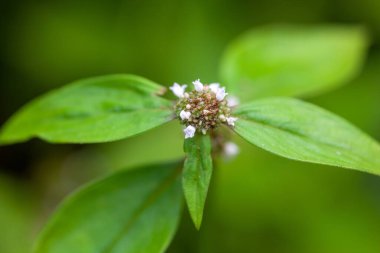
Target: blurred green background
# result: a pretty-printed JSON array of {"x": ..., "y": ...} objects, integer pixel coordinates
[{"x": 258, "y": 202}]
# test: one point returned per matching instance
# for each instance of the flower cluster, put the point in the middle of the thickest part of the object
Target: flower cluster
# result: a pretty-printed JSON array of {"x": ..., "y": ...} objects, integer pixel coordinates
[{"x": 204, "y": 108}]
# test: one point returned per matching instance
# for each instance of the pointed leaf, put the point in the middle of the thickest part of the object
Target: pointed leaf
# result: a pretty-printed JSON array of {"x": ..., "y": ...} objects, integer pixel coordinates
[
  {"x": 92, "y": 110},
  {"x": 131, "y": 211},
  {"x": 305, "y": 132},
  {"x": 286, "y": 60},
  {"x": 197, "y": 174}
]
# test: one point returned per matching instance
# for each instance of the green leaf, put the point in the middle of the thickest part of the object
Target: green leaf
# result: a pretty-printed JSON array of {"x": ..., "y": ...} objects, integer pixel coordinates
[
  {"x": 197, "y": 174},
  {"x": 132, "y": 211},
  {"x": 286, "y": 60},
  {"x": 305, "y": 132},
  {"x": 92, "y": 110}
]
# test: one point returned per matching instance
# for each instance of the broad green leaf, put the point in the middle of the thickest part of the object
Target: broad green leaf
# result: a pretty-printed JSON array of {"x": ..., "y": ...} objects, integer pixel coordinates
[
  {"x": 92, "y": 110},
  {"x": 132, "y": 211},
  {"x": 305, "y": 132},
  {"x": 197, "y": 174},
  {"x": 286, "y": 60}
]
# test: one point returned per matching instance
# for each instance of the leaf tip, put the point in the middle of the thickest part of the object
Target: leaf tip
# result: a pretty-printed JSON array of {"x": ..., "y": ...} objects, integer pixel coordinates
[{"x": 197, "y": 222}]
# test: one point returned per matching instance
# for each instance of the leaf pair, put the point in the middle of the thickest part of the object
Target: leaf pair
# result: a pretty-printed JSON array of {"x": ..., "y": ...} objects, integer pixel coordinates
[
  {"x": 289, "y": 128},
  {"x": 288, "y": 61}
]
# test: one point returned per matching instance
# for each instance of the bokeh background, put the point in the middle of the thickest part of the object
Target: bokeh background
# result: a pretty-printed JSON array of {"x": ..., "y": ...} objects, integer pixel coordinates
[{"x": 258, "y": 202}]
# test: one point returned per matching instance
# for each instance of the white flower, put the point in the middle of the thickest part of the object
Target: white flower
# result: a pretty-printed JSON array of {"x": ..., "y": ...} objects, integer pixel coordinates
[
  {"x": 178, "y": 90},
  {"x": 230, "y": 149},
  {"x": 222, "y": 117},
  {"x": 184, "y": 115},
  {"x": 198, "y": 85},
  {"x": 189, "y": 132},
  {"x": 214, "y": 87},
  {"x": 232, "y": 101},
  {"x": 221, "y": 93},
  {"x": 231, "y": 121}
]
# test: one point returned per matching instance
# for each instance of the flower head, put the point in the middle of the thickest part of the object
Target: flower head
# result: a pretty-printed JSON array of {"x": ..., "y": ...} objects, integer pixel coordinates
[
  {"x": 203, "y": 109},
  {"x": 189, "y": 131},
  {"x": 198, "y": 85},
  {"x": 178, "y": 90}
]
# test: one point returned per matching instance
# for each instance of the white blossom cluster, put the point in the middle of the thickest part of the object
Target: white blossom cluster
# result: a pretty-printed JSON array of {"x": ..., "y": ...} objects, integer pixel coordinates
[{"x": 191, "y": 107}]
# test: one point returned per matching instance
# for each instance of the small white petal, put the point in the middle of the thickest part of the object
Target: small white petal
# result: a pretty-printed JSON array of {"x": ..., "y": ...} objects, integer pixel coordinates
[
  {"x": 232, "y": 101},
  {"x": 231, "y": 121},
  {"x": 204, "y": 131},
  {"x": 178, "y": 90},
  {"x": 189, "y": 132},
  {"x": 221, "y": 93},
  {"x": 214, "y": 87},
  {"x": 188, "y": 106},
  {"x": 184, "y": 115},
  {"x": 198, "y": 85},
  {"x": 222, "y": 117},
  {"x": 230, "y": 149}
]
